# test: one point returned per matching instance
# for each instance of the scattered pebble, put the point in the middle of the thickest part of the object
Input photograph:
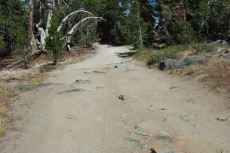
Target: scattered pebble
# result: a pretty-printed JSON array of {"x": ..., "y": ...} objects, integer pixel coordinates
[
  {"x": 70, "y": 90},
  {"x": 222, "y": 118},
  {"x": 80, "y": 81},
  {"x": 124, "y": 97}
]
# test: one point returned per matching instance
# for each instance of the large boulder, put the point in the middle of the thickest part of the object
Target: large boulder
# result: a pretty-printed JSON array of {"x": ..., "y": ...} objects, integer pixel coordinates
[
  {"x": 186, "y": 61},
  {"x": 167, "y": 64},
  {"x": 221, "y": 43}
]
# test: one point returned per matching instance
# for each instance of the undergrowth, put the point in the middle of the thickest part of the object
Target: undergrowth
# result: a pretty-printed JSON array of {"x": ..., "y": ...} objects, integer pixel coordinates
[
  {"x": 168, "y": 53},
  {"x": 204, "y": 47}
]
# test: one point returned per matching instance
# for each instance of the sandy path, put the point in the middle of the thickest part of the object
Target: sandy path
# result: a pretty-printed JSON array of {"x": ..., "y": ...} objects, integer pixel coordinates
[{"x": 164, "y": 112}]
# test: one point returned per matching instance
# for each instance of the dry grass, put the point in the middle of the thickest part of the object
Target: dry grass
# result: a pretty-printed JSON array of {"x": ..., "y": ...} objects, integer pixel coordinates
[
  {"x": 9, "y": 78},
  {"x": 220, "y": 73}
]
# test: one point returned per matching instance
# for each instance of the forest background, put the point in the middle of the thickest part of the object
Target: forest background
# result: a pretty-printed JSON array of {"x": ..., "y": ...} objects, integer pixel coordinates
[{"x": 140, "y": 23}]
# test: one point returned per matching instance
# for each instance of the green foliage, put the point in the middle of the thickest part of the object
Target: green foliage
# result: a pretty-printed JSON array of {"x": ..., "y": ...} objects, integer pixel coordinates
[
  {"x": 186, "y": 22},
  {"x": 182, "y": 32},
  {"x": 168, "y": 53},
  {"x": 54, "y": 43},
  {"x": 46, "y": 68},
  {"x": 13, "y": 25},
  {"x": 143, "y": 54},
  {"x": 204, "y": 47}
]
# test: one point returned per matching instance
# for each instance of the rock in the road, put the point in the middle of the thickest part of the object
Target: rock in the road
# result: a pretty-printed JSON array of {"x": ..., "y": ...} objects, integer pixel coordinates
[
  {"x": 86, "y": 72},
  {"x": 165, "y": 134},
  {"x": 100, "y": 87},
  {"x": 134, "y": 143},
  {"x": 124, "y": 97},
  {"x": 80, "y": 81},
  {"x": 188, "y": 116},
  {"x": 141, "y": 132},
  {"x": 173, "y": 87},
  {"x": 23, "y": 87},
  {"x": 70, "y": 90},
  {"x": 164, "y": 150},
  {"x": 224, "y": 118},
  {"x": 69, "y": 117},
  {"x": 115, "y": 66}
]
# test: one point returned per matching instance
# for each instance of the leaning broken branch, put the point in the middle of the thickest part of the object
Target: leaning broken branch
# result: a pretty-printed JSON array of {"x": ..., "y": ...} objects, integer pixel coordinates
[{"x": 73, "y": 14}]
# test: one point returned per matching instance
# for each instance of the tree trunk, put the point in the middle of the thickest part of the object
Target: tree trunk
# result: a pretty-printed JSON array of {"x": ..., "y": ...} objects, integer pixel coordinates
[
  {"x": 31, "y": 29},
  {"x": 140, "y": 30},
  {"x": 73, "y": 14},
  {"x": 51, "y": 11}
]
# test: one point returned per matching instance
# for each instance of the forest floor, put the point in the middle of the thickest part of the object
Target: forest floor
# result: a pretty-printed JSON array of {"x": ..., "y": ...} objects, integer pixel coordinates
[{"x": 112, "y": 103}]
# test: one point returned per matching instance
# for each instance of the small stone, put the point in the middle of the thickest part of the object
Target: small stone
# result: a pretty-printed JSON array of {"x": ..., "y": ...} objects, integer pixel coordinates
[
  {"x": 23, "y": 87},
  {"x": 188, "y": 116},
  {"x": 124, "y": 97},
  {"x": 69, "y": 116},
  {"x": 134, "y": 143},
  {"x": 99, "y": 87},
  {"x": 43, "y": 84},
  {"x": 166, "y": 134},
  {"x": 80, "y": 81},
  {"x": 87, "y": 72},
  {"x": 71, "y": 90},
  {"x": 173, "y": 87},
  {"x": 164, "y": 150},
  {"x": 115, "y": 66},
  {"x": 141, "y": 132},
  {"x": 222, "y": 118}
]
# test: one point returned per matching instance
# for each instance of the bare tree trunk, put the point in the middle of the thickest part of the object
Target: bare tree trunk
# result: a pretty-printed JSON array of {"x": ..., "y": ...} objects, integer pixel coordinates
[
  {"x": 51, "y": 10},
  {"x": 140, "y": 30},
  {"x": 79, "y": 25},
  {"x": 31, "y": 29},
  {"x": 73, "y": 14}
]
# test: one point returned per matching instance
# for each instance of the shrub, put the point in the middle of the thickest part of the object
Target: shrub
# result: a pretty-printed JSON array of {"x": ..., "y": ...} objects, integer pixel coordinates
[
  {"x": 168, "y": 53},
  {"x": 204, "y": 47},
  {"x": 46, "y": 68}
]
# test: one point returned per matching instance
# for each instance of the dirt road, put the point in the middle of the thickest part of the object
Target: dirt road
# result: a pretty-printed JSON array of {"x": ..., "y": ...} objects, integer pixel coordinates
[{"x": 158, "y": 110}]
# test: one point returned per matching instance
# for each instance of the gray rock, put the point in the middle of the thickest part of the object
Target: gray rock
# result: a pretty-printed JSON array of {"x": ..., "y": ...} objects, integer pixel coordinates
[
  {"x": 86, "y": 72},
  {"x": 44, "y": 85},
  {"x": 134, "y": 143},
  {"x": 211, "y": 54},
  {"x": 221, "y": 43},
  {"x": 170, "y": 64},
  {"x": 141, "y": 132},
  {"x": 47, "y": 84},
  {"x": 224, "y": 118},
  {"x": 99, "y": 87},
  {"x": 164, "y": 150},
  {"x": 186, "y": 61},
  {"x": 80, "y": 81},
  {"x": 115, "y": 66},
  {"x": 173, "y": 87},
  {"x": 188, "y": 116},
  {"x": 124, "y": 97},
  {"x": 23, "y": 87},
  {"x": 69, "y": 117},
  {"x": 165, "y": 134},
  {"x": 70, "y": 90}
]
